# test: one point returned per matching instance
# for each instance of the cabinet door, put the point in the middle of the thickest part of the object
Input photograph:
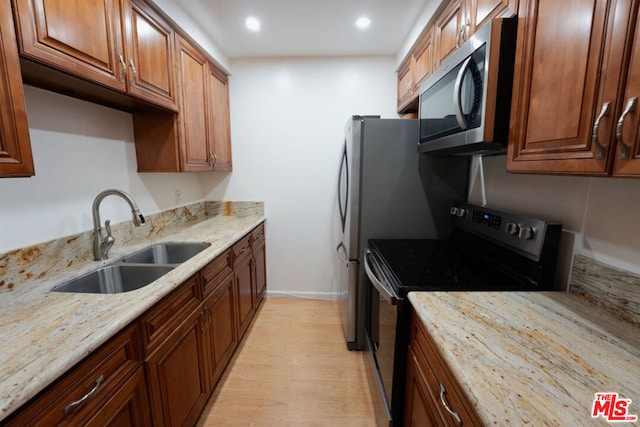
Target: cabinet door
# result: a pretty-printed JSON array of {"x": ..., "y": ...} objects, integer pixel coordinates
[
  {"x": 260, "y": 262},
  {"x": 420, "y": 408},
  {"x": 195, "y": 144},
  {"x": 150, "y": 60},
  {"x": 567, "y": 72},
  {"x": 177, "y": 375},
  {"x": 82, "y": 37},
  {"x": 423, "y": 64},
  {"x": 449, "y": 30},
  {"x": 129, "y": 406},
  {"x": 221, "y": 132},
  {"x": 15, "y": 144},
  {"x": 220, "y": 309},
  {"x": 628, "y": 122},
  {"x": 405, "y": 84},
  {"x": 244, "y": 294},
  {"x": 483, "y": 11}
]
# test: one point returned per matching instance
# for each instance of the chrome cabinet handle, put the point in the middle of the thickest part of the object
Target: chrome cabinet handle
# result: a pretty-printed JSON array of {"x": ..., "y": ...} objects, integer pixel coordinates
[
  {"x": 214, "y": 158},
  {"x": 624, "y": 147},
  {"x": 596, "y": 125},
  {"x": 135, "y": 73},
  {"x": 124, "y": 68},
  {"x": 204, "y": 324},
  {"x": 457, "y": 94},
  {"x": 84, "y": 398},
  {"x": 443, "y": 399}
]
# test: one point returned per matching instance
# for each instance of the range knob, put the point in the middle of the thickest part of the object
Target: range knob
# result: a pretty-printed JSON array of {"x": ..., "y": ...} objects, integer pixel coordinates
[
  {"x": 512, "y": 228},
  {"x": 461, "y": 212},
  {"x": 525, "y": 233},
  {"x": 453, "y": 211}
]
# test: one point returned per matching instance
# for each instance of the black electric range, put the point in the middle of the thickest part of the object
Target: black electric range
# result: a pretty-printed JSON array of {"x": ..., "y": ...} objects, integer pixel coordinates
[{"x": 488, "y": 250}]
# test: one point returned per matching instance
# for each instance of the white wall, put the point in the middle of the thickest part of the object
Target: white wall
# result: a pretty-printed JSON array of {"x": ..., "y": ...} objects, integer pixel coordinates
[
  {"x": 287, "y": 124},
  {"x": 79, "y": 149},
  {"x": 600, "y": 214}
]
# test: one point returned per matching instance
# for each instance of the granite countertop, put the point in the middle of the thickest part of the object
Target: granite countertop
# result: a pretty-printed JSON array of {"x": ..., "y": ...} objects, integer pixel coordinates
[
  {"x": 534, "y": 358},
  {"x": 45, "y": 333}
]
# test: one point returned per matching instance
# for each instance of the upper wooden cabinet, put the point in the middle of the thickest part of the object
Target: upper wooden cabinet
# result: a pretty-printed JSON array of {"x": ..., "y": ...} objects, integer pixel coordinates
[
  {"x": 195, "y": 137},
  {"x": 628, "y": 124},
  {"x": 219, "y": 117},
  {"x": 15, "y": 144},
  {"x": 569, "y": 90},
  {"x": 450, "y": 30},
  {"x": 198, "y": 138},
  {"x": 120, "y": 44},
  {"x": 416, "y": 68}
]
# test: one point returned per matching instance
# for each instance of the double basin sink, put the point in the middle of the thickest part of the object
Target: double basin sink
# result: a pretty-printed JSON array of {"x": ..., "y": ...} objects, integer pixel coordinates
[{"x": 133, "y": 271}]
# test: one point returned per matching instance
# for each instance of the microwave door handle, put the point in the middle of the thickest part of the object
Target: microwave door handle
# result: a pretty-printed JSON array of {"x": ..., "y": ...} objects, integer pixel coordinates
[
  {"x": 457, "y": 94},
  {"x": 385, "y": 291}
]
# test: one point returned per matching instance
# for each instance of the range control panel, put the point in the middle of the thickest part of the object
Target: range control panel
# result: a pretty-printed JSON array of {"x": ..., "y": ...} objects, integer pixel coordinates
[{"x": 518, "y": 233}]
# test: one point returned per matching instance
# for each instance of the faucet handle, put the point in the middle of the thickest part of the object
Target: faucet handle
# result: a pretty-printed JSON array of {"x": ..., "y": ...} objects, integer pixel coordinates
[{"x": 107, "y": 227}]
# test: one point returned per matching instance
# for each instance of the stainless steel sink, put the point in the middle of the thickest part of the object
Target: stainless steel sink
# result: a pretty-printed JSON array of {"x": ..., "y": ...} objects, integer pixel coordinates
[
  {"x": 115, "y": 278},
  {"x": 166, "y": 253}
]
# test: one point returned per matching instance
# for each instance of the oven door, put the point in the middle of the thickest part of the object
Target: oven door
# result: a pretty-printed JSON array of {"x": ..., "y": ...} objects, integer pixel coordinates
[{"x": 381, "y": 340}]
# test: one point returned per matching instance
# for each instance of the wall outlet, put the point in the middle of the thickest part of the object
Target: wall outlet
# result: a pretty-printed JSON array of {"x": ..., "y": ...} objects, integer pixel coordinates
[{"x": 178, "y": 197}]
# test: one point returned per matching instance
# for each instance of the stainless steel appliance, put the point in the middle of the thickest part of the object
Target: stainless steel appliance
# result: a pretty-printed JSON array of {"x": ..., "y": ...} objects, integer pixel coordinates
[
  {"x": 387, "y": 190},
  {"x": 466, "y": 103},
  {"x": 489, "y": 250}
]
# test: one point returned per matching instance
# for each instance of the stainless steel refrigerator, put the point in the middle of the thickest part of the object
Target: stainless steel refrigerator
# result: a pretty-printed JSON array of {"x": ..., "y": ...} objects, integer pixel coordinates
[{"x": 386, "y": 189}]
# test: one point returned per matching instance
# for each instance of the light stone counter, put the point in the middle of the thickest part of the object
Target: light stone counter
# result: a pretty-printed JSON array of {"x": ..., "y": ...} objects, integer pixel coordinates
[
  {"x": 45, "y": 333},
  {"x": 533, "y": 358}
]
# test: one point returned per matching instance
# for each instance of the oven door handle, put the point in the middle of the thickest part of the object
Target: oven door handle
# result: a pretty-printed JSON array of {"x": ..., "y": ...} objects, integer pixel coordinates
[{"x": 384, "y": 289}]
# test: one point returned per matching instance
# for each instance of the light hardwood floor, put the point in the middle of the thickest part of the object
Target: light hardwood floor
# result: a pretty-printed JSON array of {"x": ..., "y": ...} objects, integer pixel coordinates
[{"x": 293, "y": 369}]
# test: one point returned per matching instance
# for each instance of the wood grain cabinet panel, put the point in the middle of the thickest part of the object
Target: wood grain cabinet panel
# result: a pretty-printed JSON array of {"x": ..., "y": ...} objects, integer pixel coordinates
[
  {"x": 220, "y": 312},
  {"x": 483, "y": 11},
  {"x": 15, "y": 143},
  {"x": 433, "y": 396},
  {"x": 627, "y": 132},
  {"x": 219, "y": 117},
  {"x": 450, "y": 30},
  {"x": 245, "y": 294},
  {"x": 177, "y": 374},
  {"x": 569, "y": 62},
  {"x": 195, "y": 137},
  {"x": 150, "y": 55},
  {"x": 406, "y": 88},
  {"x": 259, "y": 263}
]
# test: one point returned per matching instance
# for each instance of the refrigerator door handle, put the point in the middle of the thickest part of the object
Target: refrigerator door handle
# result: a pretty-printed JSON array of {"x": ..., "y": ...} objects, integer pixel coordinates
[
  {"x": 341, "y": 250},
  {"x": 344, "y": 166}
]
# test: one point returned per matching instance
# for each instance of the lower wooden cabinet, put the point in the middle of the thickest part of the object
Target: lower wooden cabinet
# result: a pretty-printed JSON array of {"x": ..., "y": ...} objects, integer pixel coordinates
[
  {"x": 433, "y": 397},
  {"x": 244, "y": 293},
  {"x": 107, "y": 383},
  {"x": 177, "y": 375},
  {"x": 128, "y": 407},
  {"x": 220, "y": 309}
]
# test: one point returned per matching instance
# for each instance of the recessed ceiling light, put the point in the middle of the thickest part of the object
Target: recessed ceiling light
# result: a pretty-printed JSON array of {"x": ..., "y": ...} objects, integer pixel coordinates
[
  {"x": 363, "y": 22},
  {"x": 252, "y": 23}
]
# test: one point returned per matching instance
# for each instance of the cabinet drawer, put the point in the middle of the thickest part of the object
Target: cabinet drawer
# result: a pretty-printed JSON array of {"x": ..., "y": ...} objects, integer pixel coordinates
[
  {"x": 447, "y": 394},
  {"x": 241, "y": 250},
  {"x": 160, "y": 321},
  {"x": 215, "y": 272},
  {"x": 257, "y": 236},
  {"x": 82, "y": 391}
]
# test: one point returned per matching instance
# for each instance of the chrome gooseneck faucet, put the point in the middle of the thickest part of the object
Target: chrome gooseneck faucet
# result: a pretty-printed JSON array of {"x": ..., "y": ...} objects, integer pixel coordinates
[{"x": 101, "y": 245}]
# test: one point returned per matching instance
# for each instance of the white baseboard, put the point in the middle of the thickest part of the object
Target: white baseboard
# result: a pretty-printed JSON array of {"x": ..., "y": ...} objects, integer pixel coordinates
[{"x": 326, "y": 296}]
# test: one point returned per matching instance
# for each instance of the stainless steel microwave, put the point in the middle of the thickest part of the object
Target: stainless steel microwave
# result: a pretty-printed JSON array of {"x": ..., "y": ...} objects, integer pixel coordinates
[{"x": 466, "y": 103}]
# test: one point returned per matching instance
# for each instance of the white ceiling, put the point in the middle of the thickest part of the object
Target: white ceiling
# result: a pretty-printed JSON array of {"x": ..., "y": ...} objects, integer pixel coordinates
[{"x": 306, "y": 27}]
